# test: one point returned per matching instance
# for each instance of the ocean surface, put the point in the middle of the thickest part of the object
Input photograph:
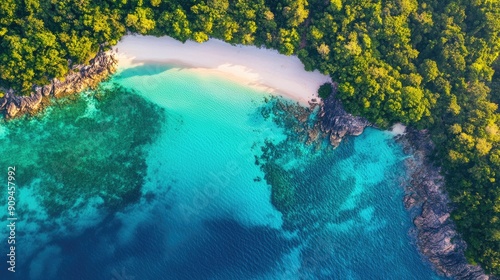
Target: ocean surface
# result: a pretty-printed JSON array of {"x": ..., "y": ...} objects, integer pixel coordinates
[{"x": 169, "y": 173}]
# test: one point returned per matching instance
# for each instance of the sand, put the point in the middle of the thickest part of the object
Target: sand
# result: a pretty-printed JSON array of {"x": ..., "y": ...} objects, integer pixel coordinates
[
  {"x": 398, "y": 129},
  {"x": 263, "y": 69}
]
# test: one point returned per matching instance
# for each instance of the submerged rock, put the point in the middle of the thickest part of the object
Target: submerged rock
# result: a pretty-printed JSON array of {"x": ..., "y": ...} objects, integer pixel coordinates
[
  {"x": 81, "y": 77},
  {"x": 437, "y": 237}
]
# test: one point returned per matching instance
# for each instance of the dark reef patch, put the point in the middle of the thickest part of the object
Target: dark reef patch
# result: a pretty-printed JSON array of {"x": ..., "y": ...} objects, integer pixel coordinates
[
  {"x": 91, "y": 145},
  {"x": 295, "y": 189},
  {"x": 342, "y": 201}
]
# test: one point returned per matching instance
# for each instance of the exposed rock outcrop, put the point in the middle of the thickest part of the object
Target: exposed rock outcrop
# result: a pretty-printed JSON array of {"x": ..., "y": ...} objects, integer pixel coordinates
[
  {"x": 426, "y": 199},
  {"x": 337, "y": 123},
  {"x": 80, "y": 78}
]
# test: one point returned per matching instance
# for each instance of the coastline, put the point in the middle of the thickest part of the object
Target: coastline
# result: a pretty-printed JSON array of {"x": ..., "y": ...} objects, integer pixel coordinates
[
  {"x": 425, "y": 197},
  {"x": 263, "y": 69},
  {"x": 430, "y": 209},
  {"x": 437, "y": 238}
]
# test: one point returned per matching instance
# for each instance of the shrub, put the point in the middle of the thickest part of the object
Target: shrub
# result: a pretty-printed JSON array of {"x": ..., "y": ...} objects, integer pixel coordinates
[{"x": 325, "y": 90}]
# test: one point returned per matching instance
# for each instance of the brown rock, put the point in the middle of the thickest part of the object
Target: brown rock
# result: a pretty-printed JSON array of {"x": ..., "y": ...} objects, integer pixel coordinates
[
  {"x": 12, "y": 110},
  {"x": 47, "y": 90},
  {"x": 334, "y": 120}
]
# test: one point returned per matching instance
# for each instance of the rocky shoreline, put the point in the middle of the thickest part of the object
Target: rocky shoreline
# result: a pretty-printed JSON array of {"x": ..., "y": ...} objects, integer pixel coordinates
[
  {"x": 425, "y": 199},
  {"x": 337, "y": 123},
  {"x": 429, "y": 205},
  {"x": 80, "y": 78}
]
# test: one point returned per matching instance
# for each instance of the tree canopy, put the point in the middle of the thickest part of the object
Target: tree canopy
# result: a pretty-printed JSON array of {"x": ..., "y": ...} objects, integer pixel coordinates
[{"x": 426, "y": 63}]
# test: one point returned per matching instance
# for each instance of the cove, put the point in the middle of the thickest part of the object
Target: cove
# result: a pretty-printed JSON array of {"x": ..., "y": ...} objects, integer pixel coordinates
[{"x": 168, "y": 173}]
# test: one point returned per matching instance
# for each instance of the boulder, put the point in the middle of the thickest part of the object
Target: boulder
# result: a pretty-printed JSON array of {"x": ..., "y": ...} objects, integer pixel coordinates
[
  {"x": 12, "y": 110},
  {"x": 334, "y": 120}
]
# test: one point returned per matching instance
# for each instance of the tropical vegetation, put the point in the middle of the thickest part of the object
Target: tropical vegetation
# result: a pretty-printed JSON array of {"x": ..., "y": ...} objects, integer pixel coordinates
[{"x": 426, "y": 63}]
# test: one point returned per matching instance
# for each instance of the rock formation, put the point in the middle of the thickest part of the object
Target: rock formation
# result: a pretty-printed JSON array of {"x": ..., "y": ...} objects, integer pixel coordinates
[
  {"x": 337, "y": 123},
  {"x": 80, "y": 78},
  {"x": 429, "y": 204}
]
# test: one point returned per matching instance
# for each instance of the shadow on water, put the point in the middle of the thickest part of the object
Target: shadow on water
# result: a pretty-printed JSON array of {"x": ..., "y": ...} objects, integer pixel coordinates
[{"x": 144, "y": 70}]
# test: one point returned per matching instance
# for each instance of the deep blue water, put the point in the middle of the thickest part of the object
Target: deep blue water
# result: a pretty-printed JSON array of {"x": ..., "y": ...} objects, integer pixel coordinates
[{"x": 162, "y": 183}]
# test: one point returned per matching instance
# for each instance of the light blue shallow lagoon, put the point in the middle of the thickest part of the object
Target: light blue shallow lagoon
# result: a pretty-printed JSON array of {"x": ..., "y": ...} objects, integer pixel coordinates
[{"x": 168, "y": 173}]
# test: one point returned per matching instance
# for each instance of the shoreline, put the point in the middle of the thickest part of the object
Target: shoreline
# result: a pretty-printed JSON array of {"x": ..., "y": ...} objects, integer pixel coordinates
[
  {"x": 425, "y": 198},
  {"x": 262, "y": 69},
  {"x": 429, "y": 207}
]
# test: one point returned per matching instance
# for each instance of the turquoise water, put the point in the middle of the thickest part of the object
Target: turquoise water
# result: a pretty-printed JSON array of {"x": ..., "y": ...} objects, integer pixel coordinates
[{"x": 166, "y": 173}]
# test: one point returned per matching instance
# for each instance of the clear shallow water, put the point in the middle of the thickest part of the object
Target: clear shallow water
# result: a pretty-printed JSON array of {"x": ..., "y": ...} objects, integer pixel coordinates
[{"x": 124, "y": 189}]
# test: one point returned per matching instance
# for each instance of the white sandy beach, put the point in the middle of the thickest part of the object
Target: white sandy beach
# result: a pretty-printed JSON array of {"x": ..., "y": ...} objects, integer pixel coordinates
[{"x": 259, "y": 68}]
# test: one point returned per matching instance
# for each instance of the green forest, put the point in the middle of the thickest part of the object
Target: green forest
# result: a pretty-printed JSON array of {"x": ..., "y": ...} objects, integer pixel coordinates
[{"x": 426, "y": 63}]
